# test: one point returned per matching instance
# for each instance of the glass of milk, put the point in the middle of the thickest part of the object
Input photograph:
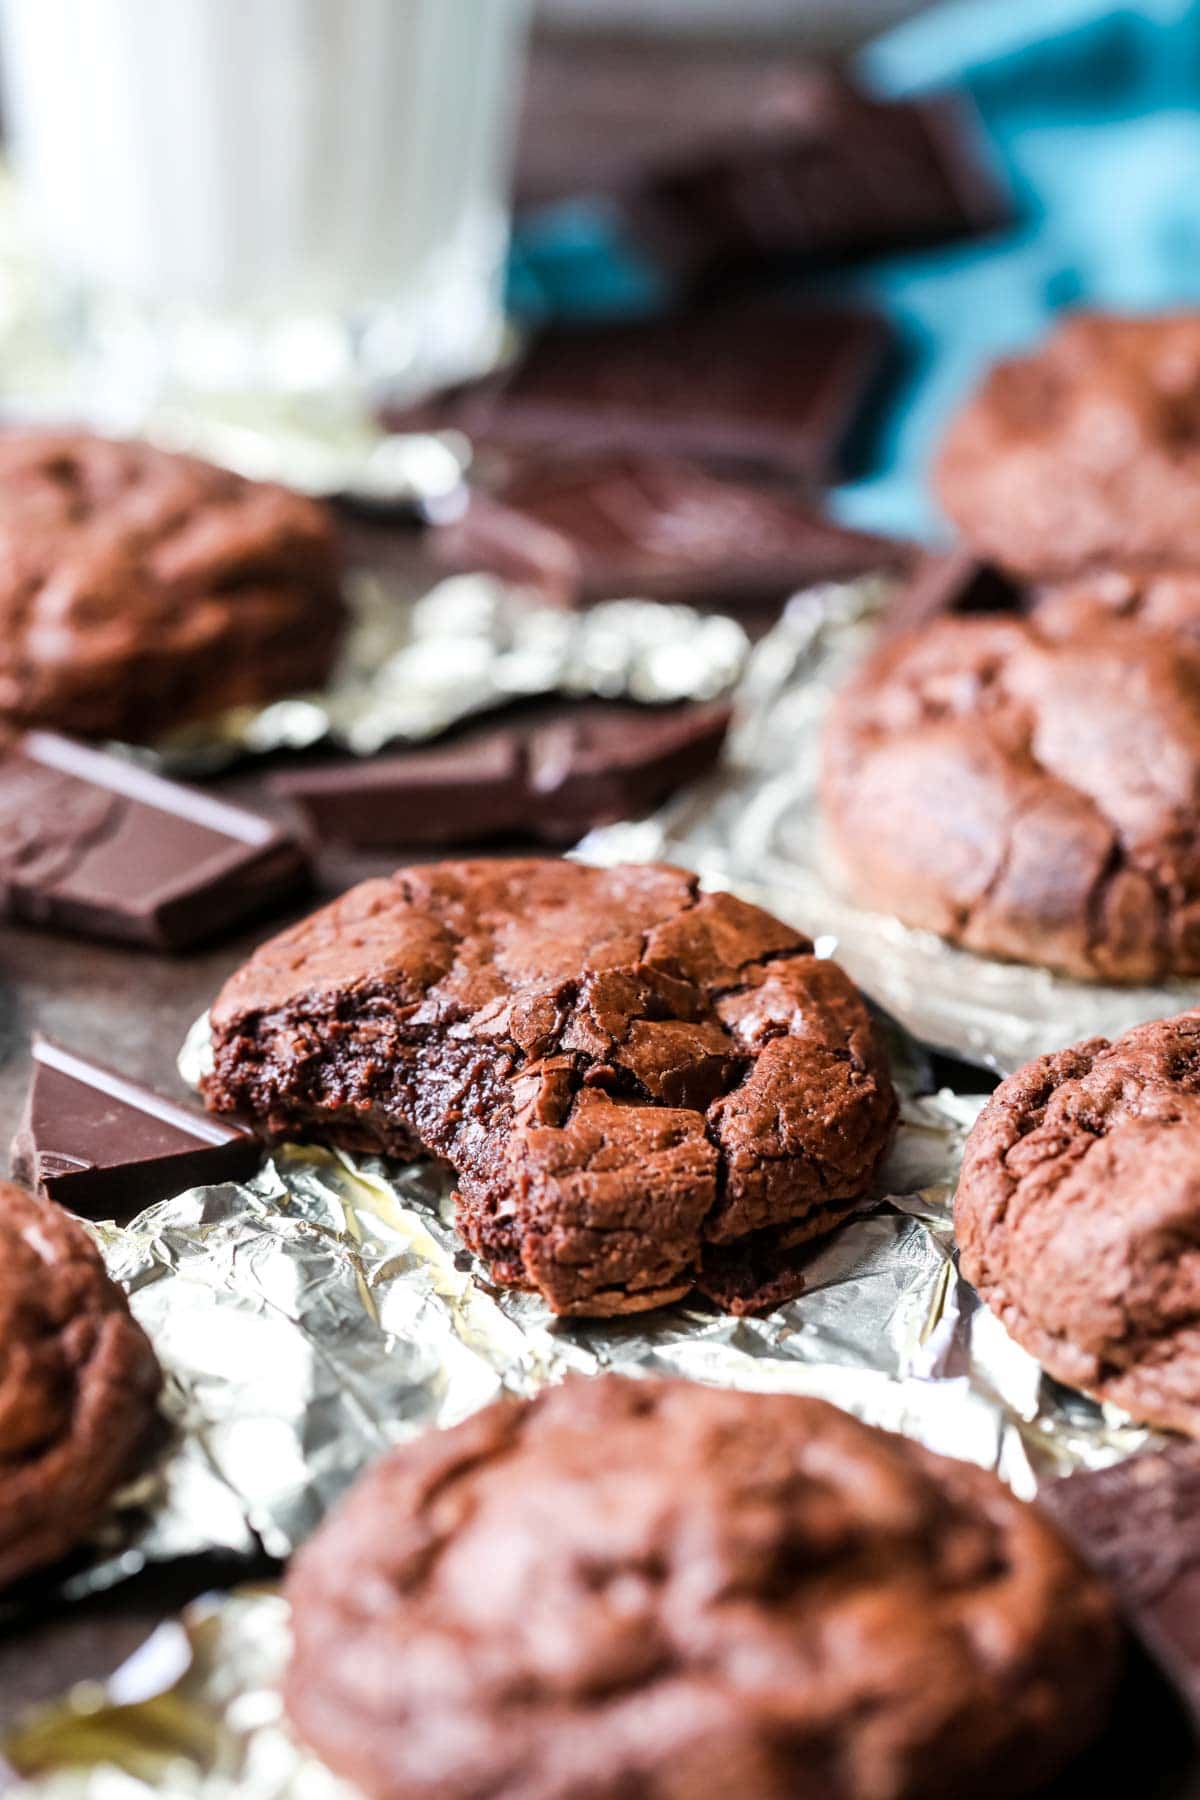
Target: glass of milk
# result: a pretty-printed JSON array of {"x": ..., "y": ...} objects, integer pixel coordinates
[{"x": 281, "y": 197}]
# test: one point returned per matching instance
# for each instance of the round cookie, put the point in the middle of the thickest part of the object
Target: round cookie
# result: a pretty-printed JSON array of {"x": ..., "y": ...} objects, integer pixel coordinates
[
  {"x": 140, "y": 590},
  {"x": 1026, "y": 795},
  {"x": 685, "y": 1593},
  {"x": 1078, "y": 1216},
  {"x": 641, "y": 1088},
  {"x": 1156, "y": 599},
  {"x": 78, "y": 1384},
  {"x": 1084, "y": 453}
]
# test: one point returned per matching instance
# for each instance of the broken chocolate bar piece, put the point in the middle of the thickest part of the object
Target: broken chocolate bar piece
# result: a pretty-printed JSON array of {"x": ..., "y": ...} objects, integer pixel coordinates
[
  {"x": 752, "y": 156},
  {"x": 105, "y": 1146},
  {"x": 90, "y": 843},
  {"x": 605, "y": 527},
  {"x": 1138, "y": 1524},
  {"x": 764, "y": 385},
  {"x": 823, "y": 173},
  {"x": 548, "y": 774}
]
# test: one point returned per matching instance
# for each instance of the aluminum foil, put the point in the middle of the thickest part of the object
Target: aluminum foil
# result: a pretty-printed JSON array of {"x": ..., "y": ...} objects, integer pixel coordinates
[
  {"x": 413, "y": 666},
  {"x": 315, "y": 1315},
  {"x": 311, "y": 1317},
  {"x": 320, "y": 1312},
  {"x": 754, "y": 827}
]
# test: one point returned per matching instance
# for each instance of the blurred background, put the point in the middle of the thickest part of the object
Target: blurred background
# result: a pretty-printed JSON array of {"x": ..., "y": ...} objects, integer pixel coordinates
[{"x": 246, "y": 226}]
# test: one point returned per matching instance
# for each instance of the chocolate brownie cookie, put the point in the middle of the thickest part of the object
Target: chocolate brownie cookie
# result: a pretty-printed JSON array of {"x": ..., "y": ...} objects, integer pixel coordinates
[
  {"x": 1156, "y": 599},
  {"x": 640, "y": 1587},
  {"x": 1084, "y": 453},
  {"x": 641, "y": 1088},
  {"x": 1078, "y": 1216},
  {"x": 77, "y": 1386},
  {"x": 1026, "y": 795},
  {"x": 140, "y": 590}
]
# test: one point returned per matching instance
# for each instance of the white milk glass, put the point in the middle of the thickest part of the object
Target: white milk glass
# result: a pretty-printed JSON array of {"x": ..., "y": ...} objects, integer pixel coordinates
[{"x": 281, "y": 196}]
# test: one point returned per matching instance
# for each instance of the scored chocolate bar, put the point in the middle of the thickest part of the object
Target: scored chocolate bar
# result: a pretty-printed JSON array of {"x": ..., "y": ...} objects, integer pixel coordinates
[
  {"x": 90, "y": 843},
  {"x": 727, "y": 158},
  {"x": 549, "y": 774},
  {"x": 106, "y": 1146},
  {"x": 824, "y": 173},
  {"x": 601, "y": 527},
  {"x": 760, "y": 384}
]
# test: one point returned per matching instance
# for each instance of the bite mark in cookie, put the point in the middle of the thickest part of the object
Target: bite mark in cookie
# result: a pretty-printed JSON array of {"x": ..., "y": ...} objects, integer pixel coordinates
[
  {"x": 78, "y": 1383},
  {"x": 639, "y": 1587},
  {"x": 631, "y": 1079},
  {"x": 1078, "y": 1216}
]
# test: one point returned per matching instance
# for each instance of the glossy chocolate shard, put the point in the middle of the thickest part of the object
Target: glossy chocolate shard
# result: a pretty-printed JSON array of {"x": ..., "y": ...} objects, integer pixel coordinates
[
  {"x": 548, "y": 774},
  {"x": 753, "y": 156},
  {"x": 828, "y": 174},
  {"x": 96, "y": 845},
  {"x": 607, "y": 527},
  {"x": 761, "y": 385},
  {"x": 1138, "y": 1524},
  {"x": 106, "y": 1146}
]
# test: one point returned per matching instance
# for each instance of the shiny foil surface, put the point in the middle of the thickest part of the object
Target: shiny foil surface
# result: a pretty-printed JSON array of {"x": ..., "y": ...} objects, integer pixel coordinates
[
  {"x": 310, "y": 1318},
  {"x": 412, "y": 667}
]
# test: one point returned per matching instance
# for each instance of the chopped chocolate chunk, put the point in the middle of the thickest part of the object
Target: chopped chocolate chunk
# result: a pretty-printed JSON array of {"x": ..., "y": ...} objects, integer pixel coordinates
[
  {"x": 105, "y": 1146},
  {"x": 604, "y": 527},
  {"x": 93, "y": 844},
  {"x": 825, "y": 174},
  {"x": 548, "y": 775},
  {"x": 1138, "y": 1525},
  {"x": 733, "y": 158},
  {"x": 756, "y": 384}
]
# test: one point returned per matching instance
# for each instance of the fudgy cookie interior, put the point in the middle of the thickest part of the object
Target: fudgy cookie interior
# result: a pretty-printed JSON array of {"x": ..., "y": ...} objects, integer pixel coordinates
[{"x": 640, "y": 1087}]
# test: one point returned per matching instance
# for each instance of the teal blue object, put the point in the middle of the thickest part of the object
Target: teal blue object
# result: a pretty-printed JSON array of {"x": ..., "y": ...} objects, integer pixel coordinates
[{"x": 1092, "y": 112}]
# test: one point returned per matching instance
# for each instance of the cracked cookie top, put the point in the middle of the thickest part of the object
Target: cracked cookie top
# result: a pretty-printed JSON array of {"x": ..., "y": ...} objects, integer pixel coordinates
[
  {"x": 1078, "y": 1216},
  {"x": 639, "y": 1086},
  {"x": 1027, "y": 795},
  {"x": 1085, "y": 452},
  {"x": 139, "y": 589},
  {"x": 78, "y": 1383},
  {"x": 641, "y": 1587}
]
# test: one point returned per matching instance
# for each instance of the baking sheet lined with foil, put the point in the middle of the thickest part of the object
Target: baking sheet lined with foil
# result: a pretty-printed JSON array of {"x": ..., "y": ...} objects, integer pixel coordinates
[
  {"x": 413, "y": 665},
  {"x": 754, "y": 826}
]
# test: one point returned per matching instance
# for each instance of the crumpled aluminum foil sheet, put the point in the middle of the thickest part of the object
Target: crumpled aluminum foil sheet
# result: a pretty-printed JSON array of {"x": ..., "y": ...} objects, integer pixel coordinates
[
  {"x": 193, "y": 1714},
  {"x": 326, "y": 1309},
  {"x": 754, "y": 827},
  {"x": 414, "y": 666}
]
